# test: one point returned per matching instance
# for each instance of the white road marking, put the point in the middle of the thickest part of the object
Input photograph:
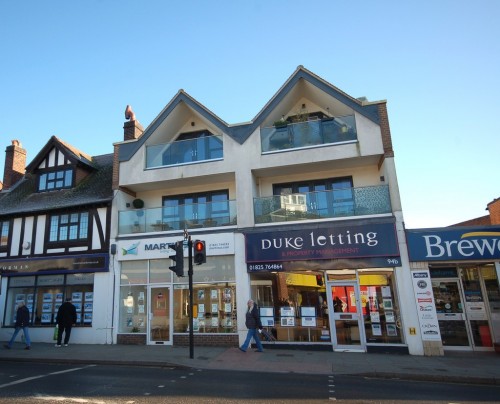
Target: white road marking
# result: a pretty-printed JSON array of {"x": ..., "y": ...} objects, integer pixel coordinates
[
  {"x": 27, "y": 379},
  {"x": 53, "y": 399}
]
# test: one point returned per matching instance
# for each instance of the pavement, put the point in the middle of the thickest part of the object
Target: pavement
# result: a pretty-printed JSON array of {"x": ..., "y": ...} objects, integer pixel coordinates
[{"x": 456, "y": 367}]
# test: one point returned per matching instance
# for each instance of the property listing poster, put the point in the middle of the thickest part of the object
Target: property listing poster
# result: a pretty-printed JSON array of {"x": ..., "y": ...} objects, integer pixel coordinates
[{"x": 427, "y": 316}]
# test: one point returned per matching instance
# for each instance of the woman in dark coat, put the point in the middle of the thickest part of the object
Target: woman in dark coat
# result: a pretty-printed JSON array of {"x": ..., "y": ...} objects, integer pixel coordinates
[
  {"x": 66, "y": 317},
  {"x": 253, "y": 323}
]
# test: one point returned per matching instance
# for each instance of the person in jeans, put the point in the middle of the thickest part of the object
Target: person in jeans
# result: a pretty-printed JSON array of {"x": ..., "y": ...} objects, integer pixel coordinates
[
  {"x": 66, "y": 317},
  {"x": 253, "y": 324},
  {"x": 22, "y": 322}
]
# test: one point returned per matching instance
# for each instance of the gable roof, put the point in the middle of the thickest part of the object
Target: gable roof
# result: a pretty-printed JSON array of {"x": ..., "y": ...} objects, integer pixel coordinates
[
  {"x": 127, "y": 150},
  {"x": 96, "y": 188},
  {"x": 241, "y": 132},
  {"x": 72, "y": 153}
]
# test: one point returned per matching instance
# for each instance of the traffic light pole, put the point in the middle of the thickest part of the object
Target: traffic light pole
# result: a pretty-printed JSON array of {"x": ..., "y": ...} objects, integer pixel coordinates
[{"x": 190, "y": 274}]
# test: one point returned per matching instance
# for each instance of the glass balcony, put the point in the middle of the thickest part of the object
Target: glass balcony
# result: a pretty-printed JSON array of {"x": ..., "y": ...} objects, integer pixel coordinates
[
  {"x": 184, "y": 151},
  {"x": 309, "y": 133},
  {"x": 323, "y": 204},
  {"x": 201, "y": 215}
]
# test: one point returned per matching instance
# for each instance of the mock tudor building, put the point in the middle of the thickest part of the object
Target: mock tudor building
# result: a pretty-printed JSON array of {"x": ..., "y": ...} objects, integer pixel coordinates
[
  {"x": 299, "y": 210},
  {"x": 55, "y": 217}
]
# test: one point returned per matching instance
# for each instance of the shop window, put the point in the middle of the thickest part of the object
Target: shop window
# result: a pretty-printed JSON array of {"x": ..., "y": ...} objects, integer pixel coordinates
[
  {"x": 133, "y": 294},
  {"x": 159, "y": 272},
  {"x": 133, "y": 309},
  {"x": 292, "y": 305},
  {"x": 20, "y": 289},
  {"x": 44, "y": 295},
  {"x": 492, "y": 288},
  {"x": 380, "y": 307},
  {"x": 214, "y": 300},
  {"x": 214, "y": 295},
  {"x": 80, "y": 287},
  {"x": 214, "y": 308},
  {"x": 134, "y": 272}
]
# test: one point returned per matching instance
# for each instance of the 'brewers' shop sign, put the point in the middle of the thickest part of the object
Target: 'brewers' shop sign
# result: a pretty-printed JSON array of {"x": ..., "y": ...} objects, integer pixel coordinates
[
  {"x": 374, "y": 240},
  {"x": 454, "y": 243}
]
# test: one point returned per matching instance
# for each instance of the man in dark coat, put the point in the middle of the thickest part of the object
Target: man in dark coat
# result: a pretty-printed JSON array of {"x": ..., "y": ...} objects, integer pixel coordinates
[
  {"x": 253, "y": 323},
  {"x": 22, "y": 322},
  {"x": 66, "y": 317}
]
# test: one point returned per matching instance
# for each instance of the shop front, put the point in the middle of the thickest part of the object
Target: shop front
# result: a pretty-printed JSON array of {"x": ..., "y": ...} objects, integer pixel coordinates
[
  {"x": 331, "y": 286},
  {"x": 153, "y": 305},
  {"x": 464, "y": 269},
  {"x": 44, "y": 283}
]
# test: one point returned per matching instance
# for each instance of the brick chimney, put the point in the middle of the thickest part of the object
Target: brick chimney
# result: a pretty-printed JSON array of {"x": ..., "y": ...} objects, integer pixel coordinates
[
  {"x": 494, "y": 209},
  {"x": 132, "y": 129},
  {"x": 15, "y": 164}
]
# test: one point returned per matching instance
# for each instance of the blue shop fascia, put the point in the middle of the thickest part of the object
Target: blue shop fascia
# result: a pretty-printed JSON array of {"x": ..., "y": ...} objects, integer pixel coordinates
[
  {"x": 298, "y": 274},
  {"x": 463, "y": 264}
]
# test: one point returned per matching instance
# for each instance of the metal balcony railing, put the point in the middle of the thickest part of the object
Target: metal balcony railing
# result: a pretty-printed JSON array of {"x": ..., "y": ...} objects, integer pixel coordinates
[
  {"x": 309, "y": 133},
  {"x": 323, "y": 204},
  {"x": 190, "y": 216}
]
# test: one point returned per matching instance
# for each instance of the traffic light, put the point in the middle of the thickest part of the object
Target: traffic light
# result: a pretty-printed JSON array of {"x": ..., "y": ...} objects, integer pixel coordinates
[
  {"x": 319, "y": 280},
  {"x": 178, "y": 258},
  {"x": 200, "y": 254}
]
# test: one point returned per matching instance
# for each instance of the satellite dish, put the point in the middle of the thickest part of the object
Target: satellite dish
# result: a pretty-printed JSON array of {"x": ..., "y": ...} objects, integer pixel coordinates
[{"x": 26, "y": 245}]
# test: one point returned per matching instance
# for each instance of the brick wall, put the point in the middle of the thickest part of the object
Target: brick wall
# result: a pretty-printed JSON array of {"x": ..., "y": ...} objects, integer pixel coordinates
[
  {"x": 229, "y": 340},
  {"x": 15, "y": 164},
  {"x": 494, "y": 209},
  {"x": 116, "y": 167},
  {"x": 386, "y": 130},
  {"x": 132, "y": 130},
  {"x": 131, "y": 339}
]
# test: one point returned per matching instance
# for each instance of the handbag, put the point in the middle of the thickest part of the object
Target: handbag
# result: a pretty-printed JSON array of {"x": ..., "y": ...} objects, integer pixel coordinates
[{"x": 56, "y": 332}]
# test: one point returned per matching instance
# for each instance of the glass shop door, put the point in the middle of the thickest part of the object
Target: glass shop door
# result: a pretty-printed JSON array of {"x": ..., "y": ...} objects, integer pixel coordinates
[
  {"x": 346, "y": 316},
  {"x": 450, "y": 313},
  {"x": 159, "y": 316}
]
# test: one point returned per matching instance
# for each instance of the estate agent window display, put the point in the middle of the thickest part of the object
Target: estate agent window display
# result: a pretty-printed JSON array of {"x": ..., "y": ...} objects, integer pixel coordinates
[
  {"x": 293, "y": 305},
  {"x": 214, "y": 290},
  {"x": 44, "y": 295},
  {"x": 214, "y": 298}
]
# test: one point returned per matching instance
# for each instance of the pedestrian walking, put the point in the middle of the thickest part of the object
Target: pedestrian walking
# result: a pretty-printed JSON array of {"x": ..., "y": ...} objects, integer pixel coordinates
[
  {"x": 254, "y": 325},
  {"x": 22, "y": 323},
  {"x": 66, "y": 317}
]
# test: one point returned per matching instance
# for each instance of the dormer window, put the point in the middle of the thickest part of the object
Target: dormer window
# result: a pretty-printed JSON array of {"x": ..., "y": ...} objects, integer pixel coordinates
[{"x": 55, "y": 180}]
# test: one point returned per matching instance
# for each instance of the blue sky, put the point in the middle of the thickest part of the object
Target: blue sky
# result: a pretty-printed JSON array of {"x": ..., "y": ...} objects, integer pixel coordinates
[{"x": 69, "y": 68}]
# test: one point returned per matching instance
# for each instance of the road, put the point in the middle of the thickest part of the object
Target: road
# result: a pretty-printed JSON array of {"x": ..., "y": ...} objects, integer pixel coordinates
[{"x": 91, "y": 384}]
